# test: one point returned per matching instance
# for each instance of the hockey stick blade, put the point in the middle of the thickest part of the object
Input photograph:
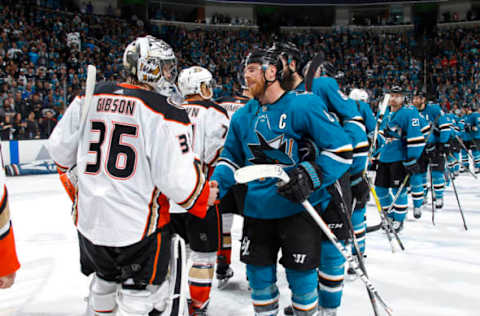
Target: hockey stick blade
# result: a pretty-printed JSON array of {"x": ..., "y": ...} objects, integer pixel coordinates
[
  {"x": 89, "y": 89},
  {"x": 256, "y": 172}
]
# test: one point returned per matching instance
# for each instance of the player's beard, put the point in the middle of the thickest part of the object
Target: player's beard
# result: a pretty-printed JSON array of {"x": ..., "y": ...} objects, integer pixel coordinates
[{"x": 258, "y": 89}]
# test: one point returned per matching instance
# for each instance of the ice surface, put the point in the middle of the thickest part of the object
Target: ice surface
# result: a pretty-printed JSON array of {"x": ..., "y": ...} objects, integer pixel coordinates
[{"x": 437, "y": 275}]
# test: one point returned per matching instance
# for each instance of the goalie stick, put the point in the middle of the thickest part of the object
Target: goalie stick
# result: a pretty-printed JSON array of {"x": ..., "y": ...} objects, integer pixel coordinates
[
  {"x": 256, "y": 172},
  {"x": 89, "y": 89}
]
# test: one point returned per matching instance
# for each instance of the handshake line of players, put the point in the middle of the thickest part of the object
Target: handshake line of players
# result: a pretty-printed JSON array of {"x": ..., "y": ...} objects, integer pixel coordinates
[{"x": 137, "y": 177}]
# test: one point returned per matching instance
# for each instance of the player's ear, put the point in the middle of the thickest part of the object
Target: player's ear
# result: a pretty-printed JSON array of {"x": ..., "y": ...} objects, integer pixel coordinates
[{"x": 271, "y": 73}]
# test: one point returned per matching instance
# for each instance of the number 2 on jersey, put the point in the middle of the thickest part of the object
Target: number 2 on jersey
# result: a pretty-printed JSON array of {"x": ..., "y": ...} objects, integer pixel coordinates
[{"x": 121, "y": 158}]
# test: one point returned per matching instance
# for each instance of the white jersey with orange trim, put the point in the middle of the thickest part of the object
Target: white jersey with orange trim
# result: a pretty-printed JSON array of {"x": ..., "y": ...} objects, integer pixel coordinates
[
  {"x": 210, "y": 126},
  {"x": 134, "y": 152},
  {"x": 8, "y": 253},
  {"x": 232, "y": 103}
]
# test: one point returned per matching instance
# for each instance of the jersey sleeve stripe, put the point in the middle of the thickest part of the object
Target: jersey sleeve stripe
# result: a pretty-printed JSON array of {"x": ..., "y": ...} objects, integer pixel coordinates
[
  {"x": 200, "y": 183},
  {"x": 338, "y": 158},
  {"x": 4, "y": 208},
  {"x": 226, "y": 161},
  {"x": 359, "y": 124},
  {"x": 226, "y": 164},
  {"x": 425, "y": 129}
]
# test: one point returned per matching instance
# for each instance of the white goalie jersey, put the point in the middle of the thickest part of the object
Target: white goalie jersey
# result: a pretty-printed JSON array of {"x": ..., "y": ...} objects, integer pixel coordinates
[
  {"x": 210, "y": 126},
  {"x": 132, "y": 156}
]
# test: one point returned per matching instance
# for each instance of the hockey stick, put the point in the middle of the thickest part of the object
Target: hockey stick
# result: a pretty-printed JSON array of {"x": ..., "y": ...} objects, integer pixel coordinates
[
  {"x": 381, "y": 108},
  {"x": 460, "y": 141},
  {"x": 455, "y": 160},
  {"x": 89, "y": 89},
  {"x": 456, "y": 196},
  {"x": 348, "y": 219},
  {"x": 255, "y": 172},
  {"x": 432, "y": 192},
  {"x": 383, "y": 221},
  {"x": 317, "y": 60}
]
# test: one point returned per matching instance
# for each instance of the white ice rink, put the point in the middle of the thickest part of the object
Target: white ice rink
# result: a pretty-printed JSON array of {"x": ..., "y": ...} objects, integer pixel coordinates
[{"x": 437, "y": 275}]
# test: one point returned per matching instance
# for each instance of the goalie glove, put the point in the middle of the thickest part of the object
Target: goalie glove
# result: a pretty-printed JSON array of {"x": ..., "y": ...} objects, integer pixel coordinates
[
  {"x": 304, "y": 179},
  {"x": 69, "y": 181}
]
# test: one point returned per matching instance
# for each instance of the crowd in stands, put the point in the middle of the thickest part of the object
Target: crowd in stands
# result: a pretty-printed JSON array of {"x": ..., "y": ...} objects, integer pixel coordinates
[{"x": 44, "y": 55}]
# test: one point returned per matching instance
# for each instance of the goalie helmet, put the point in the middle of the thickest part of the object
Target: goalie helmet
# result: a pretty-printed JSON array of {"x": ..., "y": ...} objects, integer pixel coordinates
[
  {"x": 358, "y": 95},
  {"x": 241, "y": 75},
  {"x": 196, "y": 80},
  {"x": 149, "y": 59}
]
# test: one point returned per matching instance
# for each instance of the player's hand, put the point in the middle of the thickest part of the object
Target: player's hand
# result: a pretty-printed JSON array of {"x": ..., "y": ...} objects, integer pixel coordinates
[
  {"x": 212, "y": 197},
  {"x": 7, "y": 281},
  {"x": 304, "y": 179}
]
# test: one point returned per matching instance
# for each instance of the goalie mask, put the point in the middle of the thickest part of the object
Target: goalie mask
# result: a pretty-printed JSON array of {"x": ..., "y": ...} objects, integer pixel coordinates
[
  {"x": 196, "y": 80},
  {"x": 149, "y": 59},
  {"x": 358, "y": 95}
]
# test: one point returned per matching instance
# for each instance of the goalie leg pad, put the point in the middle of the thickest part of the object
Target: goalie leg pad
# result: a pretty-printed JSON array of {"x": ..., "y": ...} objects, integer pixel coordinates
[
  {"x": 101, "y": 298},
  {"x": 142, "y": 302},
  {"x": 177, "y": 302}
]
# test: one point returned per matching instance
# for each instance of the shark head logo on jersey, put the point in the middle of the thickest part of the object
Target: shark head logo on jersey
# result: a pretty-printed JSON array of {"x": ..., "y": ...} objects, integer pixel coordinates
[{"x": 270, "y": 152}]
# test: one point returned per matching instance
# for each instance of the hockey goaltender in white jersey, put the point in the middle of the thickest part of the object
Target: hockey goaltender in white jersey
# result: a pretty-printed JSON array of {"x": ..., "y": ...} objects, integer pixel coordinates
[{"x": 120, "y": 143}]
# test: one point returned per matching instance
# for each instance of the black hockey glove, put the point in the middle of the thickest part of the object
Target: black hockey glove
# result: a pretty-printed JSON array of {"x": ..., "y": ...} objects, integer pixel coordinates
[
  {"x": 360, "y": 190},
  {"x": 468, "y": 128},
  {"x": 304, "y": 179},
  {"x": 411, "y": 166},
  {"x": 430, "y": 151},
  {"x": 444, "y": 148}
]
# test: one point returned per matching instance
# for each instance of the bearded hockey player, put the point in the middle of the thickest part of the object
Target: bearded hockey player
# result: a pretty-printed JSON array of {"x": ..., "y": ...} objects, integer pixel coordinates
[
  {"x": 331, "y": 269},
  {"x": 404, "y": 143},
  {"x": 133, "y": 155},
  {"x": 210, "y": 125},
  {"x": 437, "y": 144},
  {"x": 268, "y": 130}
]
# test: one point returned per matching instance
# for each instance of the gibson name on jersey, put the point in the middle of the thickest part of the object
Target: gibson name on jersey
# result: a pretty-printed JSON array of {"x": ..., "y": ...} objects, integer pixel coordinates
[{"x": 116, "y": 105}]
